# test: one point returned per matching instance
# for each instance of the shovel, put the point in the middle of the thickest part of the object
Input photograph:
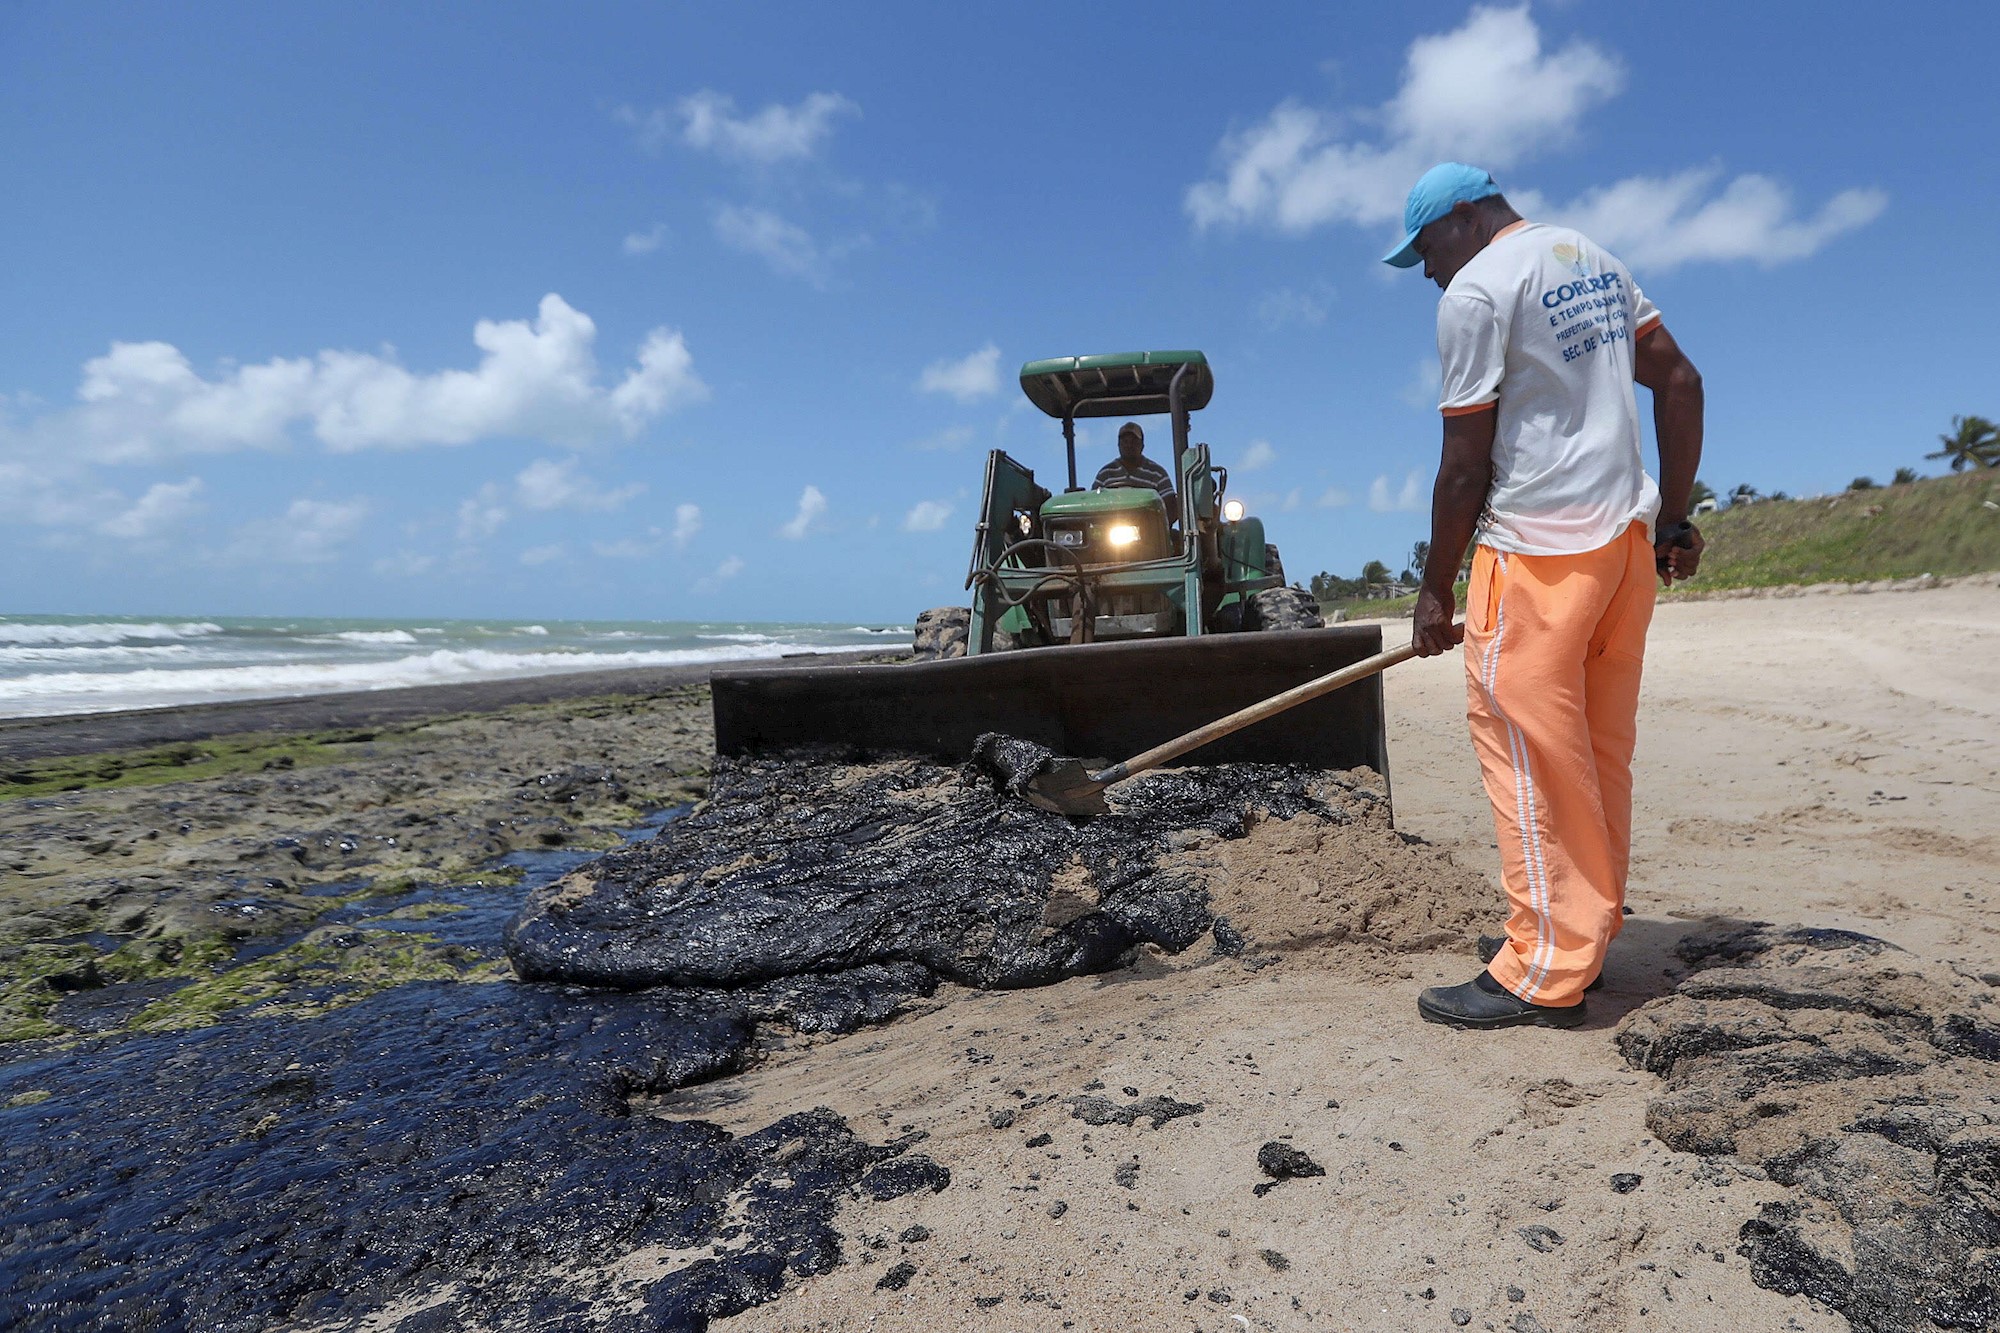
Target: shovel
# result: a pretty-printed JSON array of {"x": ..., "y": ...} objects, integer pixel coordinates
[{"x": 1068, "y": 788}]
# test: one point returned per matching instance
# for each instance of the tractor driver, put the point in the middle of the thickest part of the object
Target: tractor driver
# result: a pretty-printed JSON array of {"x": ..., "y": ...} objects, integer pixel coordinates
[{"x": 1134, "y": 470}]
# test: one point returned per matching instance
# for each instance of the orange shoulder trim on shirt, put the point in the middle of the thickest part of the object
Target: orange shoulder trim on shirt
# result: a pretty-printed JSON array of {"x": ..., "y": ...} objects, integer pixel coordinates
[
  {"x": 1510, "y": 229},
  {"x": 1652, "y": 325},
  {"x": 1467, "y": 411}
]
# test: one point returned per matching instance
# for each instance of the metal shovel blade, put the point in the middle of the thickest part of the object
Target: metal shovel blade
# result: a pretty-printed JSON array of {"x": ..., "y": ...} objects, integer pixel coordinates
[{"x": 1066, "y": 787}]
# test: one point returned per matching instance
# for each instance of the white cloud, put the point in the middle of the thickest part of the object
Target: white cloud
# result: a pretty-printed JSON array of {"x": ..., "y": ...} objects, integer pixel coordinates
[
  {"x": 720, "y": 575},
  {"x": 1489, "y": 92},
  {"x": 664, "y": 380},
  {"x": 926, "y": 516},
  {"x": 51, "y": 492},
  {"x": 788, "y": 249},
  {"x": 163, "y": 507},
  {"x": 1334, "y": 498},
  {"x": 952, "y": 437},
  {"x": 652, "y": 129},
  {"x": 1412, "y": 498},
  {"x": 1260, "y": 454},
  {"x": 143, "y": 401},
  {"x": 1293, "y": 499},
  {"x": 1295, "y": 306},
  {"x": 645, "y": 242},
  {"x": 1484, "y": 92},
  {"x": 310, "y": 532},
  {"x": 1425, "y": 382},
  {"x": 542, "y": 555},
  {"x": 546, "y": 484},
  {"x": 1659, "y": 222},
  {"x": 481, "y": 515},
  {"x": 812, "y": 504},
  {"x": 404, "y": 565},
  {"x": 968, "y": 378},
  {"x": 687, "y": 523},
  {"x": 708, "y": 121}
]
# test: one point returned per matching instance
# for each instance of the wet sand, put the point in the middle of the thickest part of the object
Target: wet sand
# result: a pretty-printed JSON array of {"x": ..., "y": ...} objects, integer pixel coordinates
[{"x": 1827, "y": 760}]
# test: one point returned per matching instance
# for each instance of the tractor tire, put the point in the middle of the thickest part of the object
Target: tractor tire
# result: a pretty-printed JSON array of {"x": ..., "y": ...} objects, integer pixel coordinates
[
  {"x": 1282, "y": 608},
  {"x": 942, "y": 632}
]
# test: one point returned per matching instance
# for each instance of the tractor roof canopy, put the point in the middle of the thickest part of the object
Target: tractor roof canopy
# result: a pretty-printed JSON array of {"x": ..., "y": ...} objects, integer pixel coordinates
[{"x": 1123, "y": 384}]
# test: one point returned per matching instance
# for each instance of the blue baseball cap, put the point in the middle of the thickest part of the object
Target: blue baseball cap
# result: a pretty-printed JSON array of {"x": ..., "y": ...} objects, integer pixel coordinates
[{"x": 1431, "y": 198}]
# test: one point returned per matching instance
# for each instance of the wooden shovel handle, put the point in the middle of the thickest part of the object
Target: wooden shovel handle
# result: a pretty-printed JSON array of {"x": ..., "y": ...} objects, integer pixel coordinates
[{"x": 1256, "y": 712}]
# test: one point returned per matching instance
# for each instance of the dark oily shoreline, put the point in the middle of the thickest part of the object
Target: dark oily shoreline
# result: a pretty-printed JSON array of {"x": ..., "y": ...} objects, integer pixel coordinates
[
  {"x": 469, "y": 1147},
  {"x": 281, "y": 1039},
  {"x": 270, "y": 1005}
]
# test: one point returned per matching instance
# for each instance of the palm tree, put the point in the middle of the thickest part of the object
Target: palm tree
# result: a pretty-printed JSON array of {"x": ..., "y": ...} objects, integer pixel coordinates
[
  {"x": 1698, "y": 492},
  {"x": 1974, "y": 442},
  {"x": 1420, "y": 555},
  {"x": 1904, "y": 476}
]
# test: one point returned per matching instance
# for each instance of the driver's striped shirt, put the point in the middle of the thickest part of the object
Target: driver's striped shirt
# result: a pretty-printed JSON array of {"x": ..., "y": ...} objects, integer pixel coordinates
[{"x": 1138, "y": 476}]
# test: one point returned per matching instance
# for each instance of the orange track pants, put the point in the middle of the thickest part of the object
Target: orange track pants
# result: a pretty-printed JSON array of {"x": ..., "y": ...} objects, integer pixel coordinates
[{"x": 1553, "y": 649}]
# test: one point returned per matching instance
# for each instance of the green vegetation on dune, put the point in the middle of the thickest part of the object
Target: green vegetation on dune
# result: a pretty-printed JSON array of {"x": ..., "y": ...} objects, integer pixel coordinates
[{"x": 1944, "y": 526}]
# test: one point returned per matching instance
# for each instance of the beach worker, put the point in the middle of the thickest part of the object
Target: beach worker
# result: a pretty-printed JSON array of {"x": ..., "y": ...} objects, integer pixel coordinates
[
  {"x": 1134, "y": 470},
  {"x": 1541, "y": 335}
]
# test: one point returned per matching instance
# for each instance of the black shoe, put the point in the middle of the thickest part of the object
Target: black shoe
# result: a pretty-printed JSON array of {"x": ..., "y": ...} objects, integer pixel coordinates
[
  {"x": 1483, "y": 1003},
  {"x": 1491, "y": 945}
]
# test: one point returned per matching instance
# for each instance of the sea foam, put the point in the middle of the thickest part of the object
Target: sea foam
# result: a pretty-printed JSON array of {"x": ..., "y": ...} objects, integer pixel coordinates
[{"x": 56, "y": 692}]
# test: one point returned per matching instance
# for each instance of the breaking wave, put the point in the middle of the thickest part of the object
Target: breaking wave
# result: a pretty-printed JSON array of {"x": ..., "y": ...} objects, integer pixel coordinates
[
  {"x": 376, "y": 636},
  {"x": 31, "y": 632},
  {"x": 56, "y": 692}
]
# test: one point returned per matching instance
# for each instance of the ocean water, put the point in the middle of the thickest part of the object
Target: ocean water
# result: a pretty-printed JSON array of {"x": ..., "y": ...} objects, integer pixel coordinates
[{"x": 93, "y": 664}]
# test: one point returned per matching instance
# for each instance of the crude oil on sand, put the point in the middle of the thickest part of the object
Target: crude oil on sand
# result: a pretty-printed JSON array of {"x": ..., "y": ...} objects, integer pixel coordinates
[
  {"x": 1827, "y": 761},
  {"x": 1759, "y": 1127}
]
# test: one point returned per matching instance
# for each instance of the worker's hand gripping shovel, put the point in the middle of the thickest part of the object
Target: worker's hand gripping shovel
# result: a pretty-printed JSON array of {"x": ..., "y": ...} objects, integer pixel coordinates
[{"x": 1068, "y": 788}]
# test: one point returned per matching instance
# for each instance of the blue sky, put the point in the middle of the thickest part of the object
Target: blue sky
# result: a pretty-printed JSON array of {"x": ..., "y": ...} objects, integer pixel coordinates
[{"x": 703, "y": 312}]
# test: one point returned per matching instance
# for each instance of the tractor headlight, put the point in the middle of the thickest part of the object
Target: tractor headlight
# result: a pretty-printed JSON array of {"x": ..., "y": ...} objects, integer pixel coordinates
[
  {"x": 1122, "y": 534},
  {"x": 1232, "y": 510}
]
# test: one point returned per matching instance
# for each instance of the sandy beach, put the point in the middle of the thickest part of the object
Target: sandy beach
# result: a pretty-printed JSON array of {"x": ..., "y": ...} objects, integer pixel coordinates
[{"x": 1831, "y": 762}]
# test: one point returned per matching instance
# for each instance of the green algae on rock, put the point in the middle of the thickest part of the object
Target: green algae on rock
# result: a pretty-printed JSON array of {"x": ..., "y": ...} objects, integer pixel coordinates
[{"x": 166, "y": 870}]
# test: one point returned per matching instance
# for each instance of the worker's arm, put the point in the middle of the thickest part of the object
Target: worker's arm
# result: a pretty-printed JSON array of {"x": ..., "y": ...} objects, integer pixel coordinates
[
  {"x": 1661, "y": 366},
  {"x": 1464, "y": 480}
]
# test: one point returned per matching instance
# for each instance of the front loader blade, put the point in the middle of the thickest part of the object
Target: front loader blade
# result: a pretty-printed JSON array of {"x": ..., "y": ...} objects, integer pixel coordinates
[
  {"x": 1109, "y": 700},
  {"x": 1105, "y": 699}
]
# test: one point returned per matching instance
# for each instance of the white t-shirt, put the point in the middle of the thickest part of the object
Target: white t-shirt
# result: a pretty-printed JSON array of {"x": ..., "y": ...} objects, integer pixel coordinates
[{"x": 1543, "y": 322}]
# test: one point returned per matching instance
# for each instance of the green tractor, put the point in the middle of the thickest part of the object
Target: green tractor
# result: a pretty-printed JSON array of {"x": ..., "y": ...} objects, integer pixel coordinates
[{"x": 1095, "y": 566}]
